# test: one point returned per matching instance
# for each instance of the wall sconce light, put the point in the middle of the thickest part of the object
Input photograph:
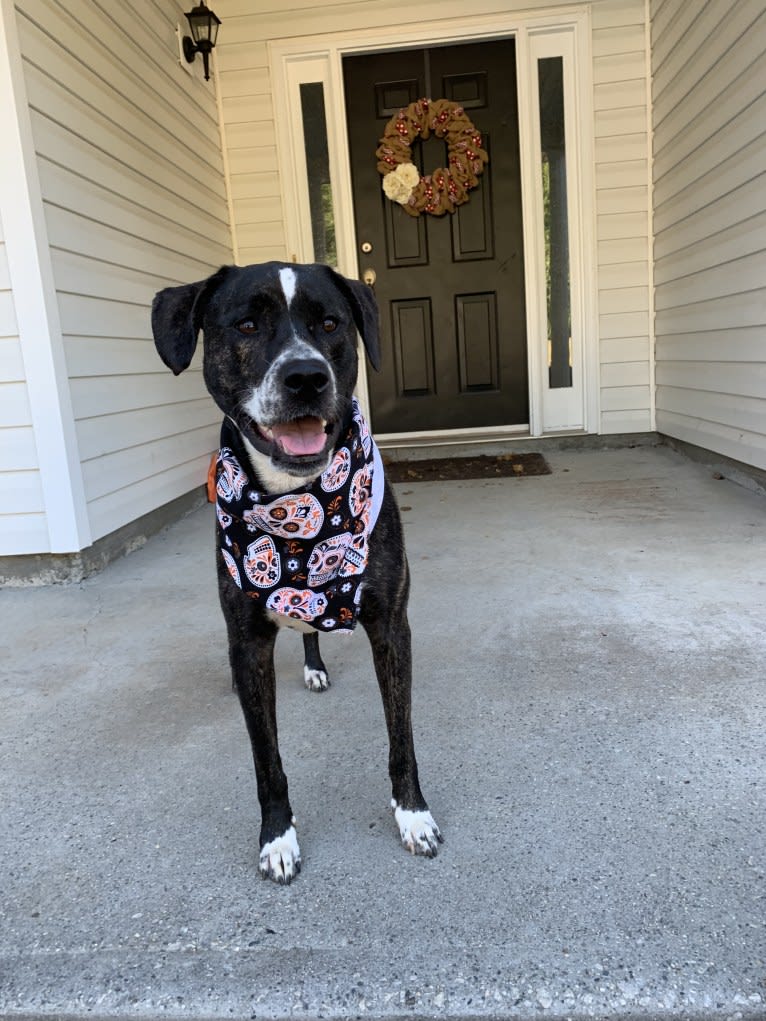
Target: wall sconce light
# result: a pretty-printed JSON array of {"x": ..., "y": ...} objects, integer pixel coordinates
[{"x": 204, "y": 32}]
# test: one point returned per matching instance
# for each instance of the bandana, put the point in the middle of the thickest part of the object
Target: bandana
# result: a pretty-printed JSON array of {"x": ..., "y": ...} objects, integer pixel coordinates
[{"x": 303, "y": 554}]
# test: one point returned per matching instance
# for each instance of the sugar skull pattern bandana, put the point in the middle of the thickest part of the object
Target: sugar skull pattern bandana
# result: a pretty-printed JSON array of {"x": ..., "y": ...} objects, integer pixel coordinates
[{"x": 303, "y": 554}]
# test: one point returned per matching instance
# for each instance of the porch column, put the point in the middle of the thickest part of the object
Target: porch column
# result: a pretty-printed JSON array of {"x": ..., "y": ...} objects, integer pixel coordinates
[{"x": 36, "y": 306}]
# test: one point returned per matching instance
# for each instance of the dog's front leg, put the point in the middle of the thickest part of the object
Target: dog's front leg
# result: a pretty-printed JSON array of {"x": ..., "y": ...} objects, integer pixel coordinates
[
  {"x": 385, "y": 622},
  {"x": 251, "y": 653},
  {"x": 314, "y": 671}
]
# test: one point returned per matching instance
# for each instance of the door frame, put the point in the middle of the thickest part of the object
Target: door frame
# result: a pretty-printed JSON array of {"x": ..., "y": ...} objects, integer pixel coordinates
[{"x": 319, "y": 58}]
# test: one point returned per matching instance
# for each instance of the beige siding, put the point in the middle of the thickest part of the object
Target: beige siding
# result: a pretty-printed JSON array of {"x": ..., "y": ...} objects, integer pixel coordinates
[
  {"x": 131, "y": 174},
  {"x": 622, "y": 210},
  {"x": 22, "y": 519},
  {"x": 621, "y": 135},
  {"x": 709, "y": 97},
  {"x": 251, "y": 147}
]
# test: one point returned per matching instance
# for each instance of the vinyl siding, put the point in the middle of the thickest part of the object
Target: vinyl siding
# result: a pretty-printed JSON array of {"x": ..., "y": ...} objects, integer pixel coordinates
[
  {"x": 251, "y": 146},
  {"x": 621, "y": 141},
  {"x": 709, "y": 99},
  {"x": 131, "y": 174},
  {"x": 622, "y": 211},
  {"x": 23, "y": 526}
]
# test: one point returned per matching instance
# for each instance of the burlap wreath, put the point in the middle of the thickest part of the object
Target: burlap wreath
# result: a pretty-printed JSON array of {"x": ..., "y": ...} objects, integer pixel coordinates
[{"x": 443, "y": 190}]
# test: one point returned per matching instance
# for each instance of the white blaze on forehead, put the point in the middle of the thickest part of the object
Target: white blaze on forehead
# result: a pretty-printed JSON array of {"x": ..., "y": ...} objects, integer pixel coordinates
[{"x": 289, "y": 282}]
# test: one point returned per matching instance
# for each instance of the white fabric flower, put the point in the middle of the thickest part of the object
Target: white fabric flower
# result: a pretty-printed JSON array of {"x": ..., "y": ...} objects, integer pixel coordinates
[
  {"x": 395, "y": 189},
  {"x": 399, "y": 183},
  {"x": 409, "y": 174}
]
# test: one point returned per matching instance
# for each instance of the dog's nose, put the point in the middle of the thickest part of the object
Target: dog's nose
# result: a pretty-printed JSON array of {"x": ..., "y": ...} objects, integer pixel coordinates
[{"x": 307, "y": 376}]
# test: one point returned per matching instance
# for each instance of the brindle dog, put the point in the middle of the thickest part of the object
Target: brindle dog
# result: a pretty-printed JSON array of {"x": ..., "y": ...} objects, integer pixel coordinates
[{"x": 280, "y": 361}]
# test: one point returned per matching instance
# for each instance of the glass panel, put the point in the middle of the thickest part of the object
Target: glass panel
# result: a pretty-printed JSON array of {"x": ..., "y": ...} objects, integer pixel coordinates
[
  {"x": 318, "y": 169},
  {"x": 552, "y": 137},
  {"x": 204, "y": 24}
]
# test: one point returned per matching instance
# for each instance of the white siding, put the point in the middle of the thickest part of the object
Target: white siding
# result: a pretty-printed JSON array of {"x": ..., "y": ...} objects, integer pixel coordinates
[
  {"x": 251, "y": 147},
  {"x": 131, "y": 174},
  {"x": 709, "y": 98},
  {"x": 23, "y": 527},
  {"x": 619, "y": 69},
  {"x": 622, "y": 208}
]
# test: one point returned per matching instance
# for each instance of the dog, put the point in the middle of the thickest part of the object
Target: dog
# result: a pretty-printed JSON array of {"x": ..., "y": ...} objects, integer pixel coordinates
[{"x": 280, "y": 361}]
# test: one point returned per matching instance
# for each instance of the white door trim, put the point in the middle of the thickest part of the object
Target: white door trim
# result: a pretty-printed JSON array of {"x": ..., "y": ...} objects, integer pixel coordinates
[
  {"x": 564, "y": 409},
  {"x": 323, "y": 55}
]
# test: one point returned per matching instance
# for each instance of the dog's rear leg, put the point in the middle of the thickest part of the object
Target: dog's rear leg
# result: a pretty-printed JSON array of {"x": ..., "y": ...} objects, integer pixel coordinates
[
  {"x": 251, "y": 653},
  {"x": 389, "y": 635},
  {"x": 314, "y": 670}
]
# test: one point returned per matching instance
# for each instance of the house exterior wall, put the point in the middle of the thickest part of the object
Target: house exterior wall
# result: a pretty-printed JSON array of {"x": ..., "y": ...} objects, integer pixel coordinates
[
  {"x": 620, "y": 111},
  {"x": 709, "y": 99},
  {"x": 621, "y": 120},
  {"x": 130, "y": 176},
  {"x": 22, "y": 519}
]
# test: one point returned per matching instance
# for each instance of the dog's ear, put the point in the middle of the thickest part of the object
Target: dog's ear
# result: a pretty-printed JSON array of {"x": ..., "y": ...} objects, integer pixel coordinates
[
  {"x": 177, "y": 318},
  {"x": 364, "y": 308}
]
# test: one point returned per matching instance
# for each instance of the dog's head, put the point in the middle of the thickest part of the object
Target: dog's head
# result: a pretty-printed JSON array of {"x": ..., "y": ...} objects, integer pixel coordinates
[{"x": 280, "y": 355}]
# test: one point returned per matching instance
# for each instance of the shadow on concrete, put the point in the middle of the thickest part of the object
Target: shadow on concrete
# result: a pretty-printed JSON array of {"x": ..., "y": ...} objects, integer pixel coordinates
[{"x": 590, "y": 657}]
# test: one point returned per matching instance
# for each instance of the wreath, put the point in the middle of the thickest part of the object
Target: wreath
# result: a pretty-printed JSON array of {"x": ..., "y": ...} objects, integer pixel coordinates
[{"x": 444, "y": 189}]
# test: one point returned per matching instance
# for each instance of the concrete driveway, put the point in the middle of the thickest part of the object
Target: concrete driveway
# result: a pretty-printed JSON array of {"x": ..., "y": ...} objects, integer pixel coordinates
[{"x": 590, "y": 657}]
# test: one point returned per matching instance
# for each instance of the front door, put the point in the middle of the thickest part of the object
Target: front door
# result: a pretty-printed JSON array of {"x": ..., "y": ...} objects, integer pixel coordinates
[{"x": 450, "y": 288}]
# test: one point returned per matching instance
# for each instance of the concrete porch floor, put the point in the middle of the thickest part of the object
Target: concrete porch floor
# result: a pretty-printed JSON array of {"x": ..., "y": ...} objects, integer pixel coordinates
[{"x": 590, "y": 666}]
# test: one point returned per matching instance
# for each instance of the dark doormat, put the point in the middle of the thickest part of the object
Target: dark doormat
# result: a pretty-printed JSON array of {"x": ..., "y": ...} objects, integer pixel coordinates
[{"x": 452, "y": 469}]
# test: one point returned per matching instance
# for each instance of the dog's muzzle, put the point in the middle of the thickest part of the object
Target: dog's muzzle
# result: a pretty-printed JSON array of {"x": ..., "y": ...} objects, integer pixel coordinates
[
  {"x": 303, "y": 381},
  {"x": 295, "y": 421}
]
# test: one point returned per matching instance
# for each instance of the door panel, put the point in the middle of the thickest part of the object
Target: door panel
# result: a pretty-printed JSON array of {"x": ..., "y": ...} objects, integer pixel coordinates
[
  {"x": 414, "y": 346},
  {"x": 450, "y": 288},
  {"x": 478, "y": 345}
]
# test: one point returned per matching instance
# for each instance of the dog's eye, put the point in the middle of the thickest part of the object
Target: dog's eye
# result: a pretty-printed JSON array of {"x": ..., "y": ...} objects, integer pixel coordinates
[
  {"x": 247, "y": 326},
  {"x": 329, "y": 324}
]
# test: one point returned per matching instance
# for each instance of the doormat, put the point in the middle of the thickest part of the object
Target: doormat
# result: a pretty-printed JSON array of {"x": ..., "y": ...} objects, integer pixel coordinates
[{"x": 453, "y": 469}]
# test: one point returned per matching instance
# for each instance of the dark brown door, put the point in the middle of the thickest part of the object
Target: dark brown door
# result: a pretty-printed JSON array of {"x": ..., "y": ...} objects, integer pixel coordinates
[{"x": 451, "y": 287}]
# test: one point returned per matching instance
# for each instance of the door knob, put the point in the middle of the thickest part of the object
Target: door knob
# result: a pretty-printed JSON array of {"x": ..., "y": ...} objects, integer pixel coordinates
[{"x": 370, "y": 276}]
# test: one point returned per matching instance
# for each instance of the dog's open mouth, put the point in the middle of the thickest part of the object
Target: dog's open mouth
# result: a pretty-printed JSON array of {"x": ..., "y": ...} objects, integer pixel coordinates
[
  {"x": 303, "y": 437},
  {"x": 300, "y": 446}
]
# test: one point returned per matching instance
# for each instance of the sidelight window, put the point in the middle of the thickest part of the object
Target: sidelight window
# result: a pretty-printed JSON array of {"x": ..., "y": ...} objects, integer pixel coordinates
[
  {"x": 558, "y": 152},
  {"x": 555, "y": 220},
  {"x": 318, "y": 172},
  {"x": 307, "y": 141}
]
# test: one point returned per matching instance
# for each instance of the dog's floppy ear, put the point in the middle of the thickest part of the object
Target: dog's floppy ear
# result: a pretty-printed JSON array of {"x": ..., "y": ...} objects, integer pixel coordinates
[
  {"x": 177, "y": 319},
  {"x": 364, "y": 308}
]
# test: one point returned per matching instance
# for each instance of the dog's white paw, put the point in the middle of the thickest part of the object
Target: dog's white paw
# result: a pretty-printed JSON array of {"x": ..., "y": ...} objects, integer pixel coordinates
[
  {"x": 281, "y": 858},
  {"x": 315, "y": 680},
  {"x": 420, "y": 834}
]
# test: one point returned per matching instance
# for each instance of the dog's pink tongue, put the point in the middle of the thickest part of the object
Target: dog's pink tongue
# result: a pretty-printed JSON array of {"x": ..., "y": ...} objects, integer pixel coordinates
[{"x": 303, "y": 436}]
